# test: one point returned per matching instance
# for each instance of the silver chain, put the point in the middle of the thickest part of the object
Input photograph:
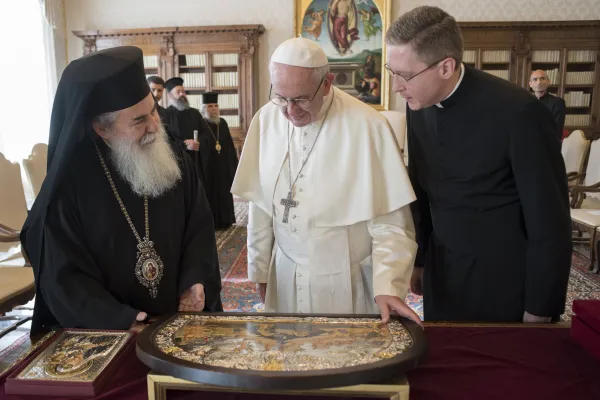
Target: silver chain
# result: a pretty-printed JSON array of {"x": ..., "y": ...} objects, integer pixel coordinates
[
  {"x": 114, "y": 189},
  {"x": 289, "y": 155}
]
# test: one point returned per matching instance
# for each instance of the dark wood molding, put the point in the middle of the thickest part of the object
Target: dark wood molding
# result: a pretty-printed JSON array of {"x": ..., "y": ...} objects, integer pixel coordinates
[
  {"x": 258, "y": 29},
  {"x": 533, "y": 25},
  {"x": 523, "y": 38},
  {"x": 168, "y": 43}
]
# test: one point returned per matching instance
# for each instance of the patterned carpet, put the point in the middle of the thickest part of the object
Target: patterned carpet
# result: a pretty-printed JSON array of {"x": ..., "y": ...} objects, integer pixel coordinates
[{"x": 240, "y": 295}]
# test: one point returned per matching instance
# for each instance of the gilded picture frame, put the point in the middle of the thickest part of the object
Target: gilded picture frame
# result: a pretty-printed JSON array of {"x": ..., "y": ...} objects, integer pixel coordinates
[
  {"x": 76, "y": 356},
  {"x": 266, "y": 351},
  {"x": 352, "y": 34}
]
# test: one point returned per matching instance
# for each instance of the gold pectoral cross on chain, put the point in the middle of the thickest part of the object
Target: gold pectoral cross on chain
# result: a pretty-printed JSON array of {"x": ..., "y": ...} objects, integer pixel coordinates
[{"x": 288, "y": 203}]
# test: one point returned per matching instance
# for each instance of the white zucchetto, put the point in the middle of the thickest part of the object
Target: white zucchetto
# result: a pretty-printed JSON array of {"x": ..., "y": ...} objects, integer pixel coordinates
[{"x": 300, "y": 52}]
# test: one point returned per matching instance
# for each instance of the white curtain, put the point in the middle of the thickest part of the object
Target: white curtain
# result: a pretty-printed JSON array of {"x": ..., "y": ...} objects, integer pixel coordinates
[
  {"x": 28, "y": 71},
  {"x": 50, "y": 11}
]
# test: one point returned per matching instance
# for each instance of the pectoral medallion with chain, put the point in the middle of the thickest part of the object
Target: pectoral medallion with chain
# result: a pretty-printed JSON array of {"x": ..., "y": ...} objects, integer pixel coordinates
[
  {"x": 149, "y": 267},
  {"x": 218, "y": 145}
]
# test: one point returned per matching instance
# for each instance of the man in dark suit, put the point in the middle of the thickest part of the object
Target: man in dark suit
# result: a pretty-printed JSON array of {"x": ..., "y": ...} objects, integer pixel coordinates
[
  {"x": 539, "y": 84},
  {"x": 157, "y": 87}
]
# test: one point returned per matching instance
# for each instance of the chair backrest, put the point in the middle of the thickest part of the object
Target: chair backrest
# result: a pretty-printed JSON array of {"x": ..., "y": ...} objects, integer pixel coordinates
[
  {"x": 13, "y": 208},
  {"x": 574, "y": 150},
  {"x": 592, "y": 172},
  {"x": 398, "y": 122},
  {"x": 35, "y": 166}
]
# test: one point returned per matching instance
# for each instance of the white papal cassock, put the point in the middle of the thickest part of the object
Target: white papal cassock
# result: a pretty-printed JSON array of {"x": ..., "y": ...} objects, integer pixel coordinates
[{"x": 351, "y": 237}]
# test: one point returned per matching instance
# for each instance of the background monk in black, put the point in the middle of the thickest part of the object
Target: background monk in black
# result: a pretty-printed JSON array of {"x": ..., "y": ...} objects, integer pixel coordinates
[
  {"x": 121, "y": 228},
  {"x": 219, "y": 161},
  {"x": 492, "y": 213},
  {"x": 185, "y": 120}
]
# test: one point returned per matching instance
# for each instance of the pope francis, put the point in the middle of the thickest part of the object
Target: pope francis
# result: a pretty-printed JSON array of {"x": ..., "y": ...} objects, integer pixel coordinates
[{"x": 330, "y": 228}]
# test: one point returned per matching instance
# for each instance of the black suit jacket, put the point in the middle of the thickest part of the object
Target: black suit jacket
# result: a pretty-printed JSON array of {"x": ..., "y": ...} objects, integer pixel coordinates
[{"x": 558, "y": 108}]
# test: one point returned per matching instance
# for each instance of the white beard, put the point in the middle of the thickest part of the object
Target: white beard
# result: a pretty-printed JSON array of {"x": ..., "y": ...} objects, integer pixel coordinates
[
  {"x": 208, "y": 117},
  {"x": 149, "y": 166}
]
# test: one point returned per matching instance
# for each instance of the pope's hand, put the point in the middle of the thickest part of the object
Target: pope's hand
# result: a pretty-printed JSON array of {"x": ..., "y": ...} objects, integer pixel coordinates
[
  {"x": 394, "y": 305},
  {"x": 192, "y": 299},
  {"x": 262, "y": 291}
]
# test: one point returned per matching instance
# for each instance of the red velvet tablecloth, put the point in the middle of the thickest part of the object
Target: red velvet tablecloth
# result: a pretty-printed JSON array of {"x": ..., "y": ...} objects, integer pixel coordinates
[
  {"x": 505, "y": 363},
  {"x": 464, "y": 362}
]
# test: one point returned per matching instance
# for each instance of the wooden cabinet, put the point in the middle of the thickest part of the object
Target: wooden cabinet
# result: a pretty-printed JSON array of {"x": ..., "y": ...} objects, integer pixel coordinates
[
  {"x": 221, "y": 59},
  {"x": 569, "y": 52}
]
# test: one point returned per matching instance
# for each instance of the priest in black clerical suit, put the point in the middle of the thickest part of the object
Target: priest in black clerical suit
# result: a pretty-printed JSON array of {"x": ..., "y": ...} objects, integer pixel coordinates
[
  {"x": 492, "y": 211},
  {"x": 121, "y": 229},
  {"x": 219, "y": 161}
]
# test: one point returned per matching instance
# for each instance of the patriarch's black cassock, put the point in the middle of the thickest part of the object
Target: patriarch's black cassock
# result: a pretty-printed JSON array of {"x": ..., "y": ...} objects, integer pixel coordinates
[{"x": 76, "y": 237}]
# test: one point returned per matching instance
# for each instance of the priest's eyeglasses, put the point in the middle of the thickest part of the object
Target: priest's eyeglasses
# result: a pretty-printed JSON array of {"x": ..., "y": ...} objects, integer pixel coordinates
[
  {"x": 404, "y": 80},
  {"x": 301, "y": 102}
]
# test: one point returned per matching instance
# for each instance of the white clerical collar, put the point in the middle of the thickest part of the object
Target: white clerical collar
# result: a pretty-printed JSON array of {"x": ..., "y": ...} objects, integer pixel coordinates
[{"x": 462, "y": 73}]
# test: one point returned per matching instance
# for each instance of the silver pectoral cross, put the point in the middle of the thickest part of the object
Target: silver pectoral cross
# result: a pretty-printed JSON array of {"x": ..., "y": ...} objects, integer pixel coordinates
[{"x": 288, "y": 203}]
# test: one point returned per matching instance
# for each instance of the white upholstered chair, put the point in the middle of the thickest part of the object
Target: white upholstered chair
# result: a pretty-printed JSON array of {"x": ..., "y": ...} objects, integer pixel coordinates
[
  {"x": 587, "y": 193},
  {"x": 575, "y": 149},
  {"x": 398, "y": 122},
  {"x": 13, "y": 212},
  {"x": 17, "y": 285},
  {"x": 35, "y": 166},
  {"x": 596, "y": 246},
  {"x": 586, "y": 223},
  {"x": 585, "y": 204}
]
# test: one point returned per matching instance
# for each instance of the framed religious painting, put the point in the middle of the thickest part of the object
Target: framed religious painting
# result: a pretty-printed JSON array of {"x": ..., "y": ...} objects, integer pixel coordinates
[
  {"x": 249, "y": 351},
  {"x": 351, "y": 32},
  {"x": 73, "y": 362}
]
